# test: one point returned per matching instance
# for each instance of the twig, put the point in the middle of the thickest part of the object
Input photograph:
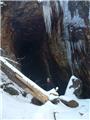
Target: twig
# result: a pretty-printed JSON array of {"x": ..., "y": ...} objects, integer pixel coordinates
[
  {"x": 54, "y": 114},
  {"x": 11, "y": 60}
]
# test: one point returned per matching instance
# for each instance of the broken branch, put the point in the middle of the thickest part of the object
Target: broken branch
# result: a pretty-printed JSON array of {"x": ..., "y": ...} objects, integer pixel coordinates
[{"x": 28, "y": 85}]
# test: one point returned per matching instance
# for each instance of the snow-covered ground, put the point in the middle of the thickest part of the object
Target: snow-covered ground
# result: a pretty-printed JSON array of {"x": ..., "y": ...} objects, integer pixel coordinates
[{"x": 19, "y": 107}]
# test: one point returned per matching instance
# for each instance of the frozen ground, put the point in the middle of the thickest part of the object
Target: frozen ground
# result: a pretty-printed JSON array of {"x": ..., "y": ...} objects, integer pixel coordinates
[{"x": 20, "y": 107}]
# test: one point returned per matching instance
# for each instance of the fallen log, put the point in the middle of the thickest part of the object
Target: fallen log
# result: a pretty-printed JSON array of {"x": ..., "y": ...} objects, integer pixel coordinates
[{"x": 28, "y": 85}]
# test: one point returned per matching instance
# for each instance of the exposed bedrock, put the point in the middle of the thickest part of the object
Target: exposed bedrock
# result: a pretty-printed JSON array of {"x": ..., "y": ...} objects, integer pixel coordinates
[{"x": 42, "y": 58}]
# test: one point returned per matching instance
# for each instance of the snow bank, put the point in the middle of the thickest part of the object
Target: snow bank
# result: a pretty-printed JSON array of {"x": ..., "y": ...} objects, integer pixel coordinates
[{"x": 19, "y": 107}]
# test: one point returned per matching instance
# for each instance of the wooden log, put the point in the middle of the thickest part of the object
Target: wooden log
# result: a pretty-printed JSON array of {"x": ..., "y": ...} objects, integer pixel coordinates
[{"x": 20, "y": 79}]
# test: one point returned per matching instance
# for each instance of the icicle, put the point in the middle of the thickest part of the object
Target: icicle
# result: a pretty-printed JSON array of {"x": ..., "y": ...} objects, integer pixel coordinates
[
  {"x": 57, "y": 7},
  {"x": 67, "y": 19},
  {"x": 89, "y": 14},
  {"x": 77, "y": 23},
  {"x": 47, "y": 12}
]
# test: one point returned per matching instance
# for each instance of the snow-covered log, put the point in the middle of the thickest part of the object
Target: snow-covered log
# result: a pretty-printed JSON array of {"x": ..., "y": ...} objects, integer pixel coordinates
[{"x": 27, "y": 84}]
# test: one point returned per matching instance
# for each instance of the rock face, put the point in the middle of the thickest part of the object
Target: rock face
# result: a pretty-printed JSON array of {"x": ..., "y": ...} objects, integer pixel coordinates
[
  {"x": 43, "y": 58},
  {"x": 78, "y": 40}
]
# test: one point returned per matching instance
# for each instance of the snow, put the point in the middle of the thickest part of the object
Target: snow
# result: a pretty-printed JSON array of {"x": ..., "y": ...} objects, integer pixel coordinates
[
  {"x": 77, "y": 21},
  {"x": 19, "y": 107},
  {"x": 69, "y": 91},
  {"x": 25, "y": 79}
]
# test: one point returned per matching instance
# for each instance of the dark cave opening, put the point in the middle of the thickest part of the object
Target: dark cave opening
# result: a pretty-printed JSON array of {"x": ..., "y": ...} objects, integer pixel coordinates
[
  {"x": 28, "y": 45},
  {"x": 30, "y": 42}
]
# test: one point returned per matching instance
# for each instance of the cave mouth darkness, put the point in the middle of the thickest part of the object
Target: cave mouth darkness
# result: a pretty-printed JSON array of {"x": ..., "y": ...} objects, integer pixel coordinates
[
  {"x": 30, "y": 42},
  {"x": 29, "y": 49}
]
